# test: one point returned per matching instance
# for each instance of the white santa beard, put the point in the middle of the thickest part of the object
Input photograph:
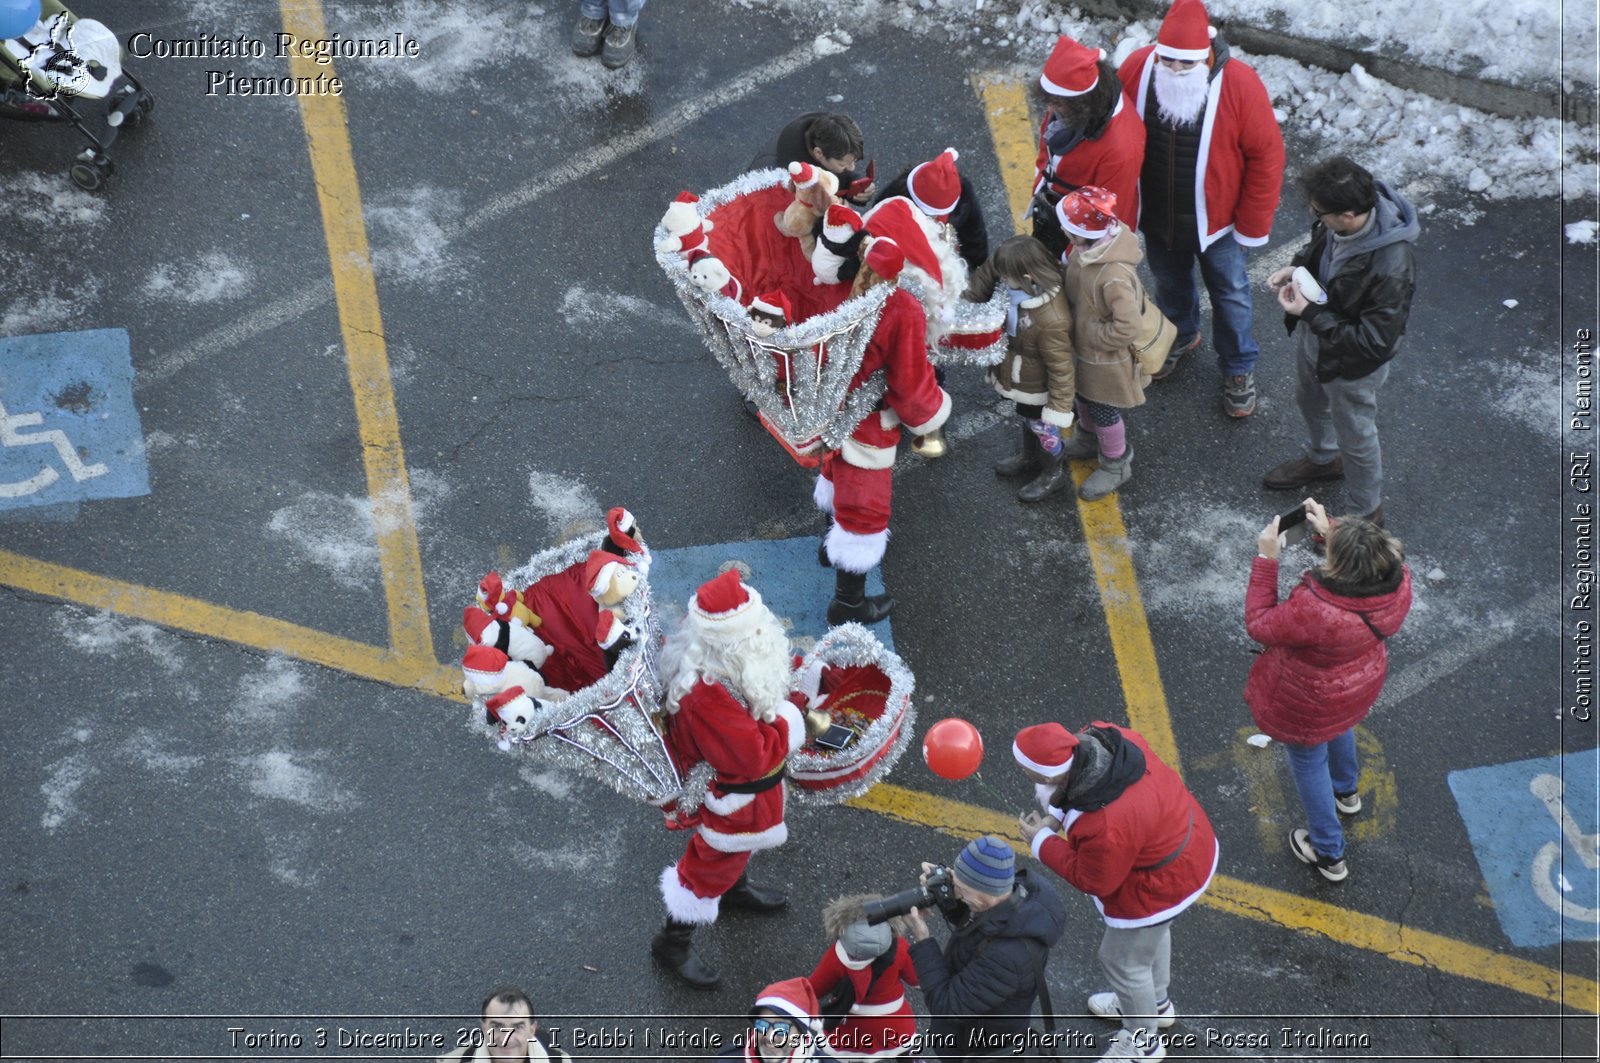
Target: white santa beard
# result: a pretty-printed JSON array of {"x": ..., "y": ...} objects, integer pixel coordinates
[
  {"x": 1044, "y": 791},
  {"x": 1181, "y": 97},
  {"x": 755, "y": 665}
]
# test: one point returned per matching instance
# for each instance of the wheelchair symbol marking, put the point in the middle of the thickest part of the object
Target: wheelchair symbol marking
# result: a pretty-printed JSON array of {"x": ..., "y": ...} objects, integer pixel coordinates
[
  {"x": 1548, "y": 789},
  {"x": 10, "y": 437}
]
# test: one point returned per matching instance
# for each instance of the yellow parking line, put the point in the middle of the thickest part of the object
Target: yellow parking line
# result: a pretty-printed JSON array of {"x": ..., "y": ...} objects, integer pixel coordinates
[
  {"x": 356, "y": 294},
  {"x": 228, "y": 625},
  {"x": 1274, "y": 907},
  {"x": 1005, "y": 104}
]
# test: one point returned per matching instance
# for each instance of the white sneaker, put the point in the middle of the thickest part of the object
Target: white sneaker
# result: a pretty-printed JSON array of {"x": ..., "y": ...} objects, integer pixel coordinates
[
  {"x": 1107, "y": 1006},
  {"x": 1125, "y": 1045},
  {"x": 1347, "y": 804}
]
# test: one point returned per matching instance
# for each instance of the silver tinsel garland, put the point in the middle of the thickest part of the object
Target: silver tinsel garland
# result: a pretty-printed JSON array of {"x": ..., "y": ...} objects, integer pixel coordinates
[{"x": 853, "y": 644}]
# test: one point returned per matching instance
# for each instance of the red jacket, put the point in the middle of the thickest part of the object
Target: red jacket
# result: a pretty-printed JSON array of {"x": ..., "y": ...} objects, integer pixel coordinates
[
  {"x": 712, "y": 726},
  {"x": 1111, "y": 162},
  {"x": 898, "y": 349},
  {"x": 881, "y": 1022},
  {"x": 1112, "y": 853},
  {"x": 1323, "y": 666},
  {"x": 1239, "y": 175}
]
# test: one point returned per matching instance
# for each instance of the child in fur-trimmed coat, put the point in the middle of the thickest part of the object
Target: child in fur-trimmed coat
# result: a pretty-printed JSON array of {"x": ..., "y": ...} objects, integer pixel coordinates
[{"x": 861, "y": 980}]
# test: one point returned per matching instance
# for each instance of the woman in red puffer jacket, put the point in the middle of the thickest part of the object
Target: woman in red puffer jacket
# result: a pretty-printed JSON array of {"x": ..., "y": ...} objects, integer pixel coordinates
[{"x": 1323, "y": 665}]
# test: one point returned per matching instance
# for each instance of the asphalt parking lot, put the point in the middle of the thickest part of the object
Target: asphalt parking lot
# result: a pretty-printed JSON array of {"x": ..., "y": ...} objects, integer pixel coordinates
[{"x": 236, "y": 786}]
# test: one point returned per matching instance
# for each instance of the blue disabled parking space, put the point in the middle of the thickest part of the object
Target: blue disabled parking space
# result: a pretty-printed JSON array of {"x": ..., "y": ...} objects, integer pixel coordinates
[
  {"x": 784, "y": 571},
  {"x": 69, "y": 431},
  {"x": 1535, "y": 829}
]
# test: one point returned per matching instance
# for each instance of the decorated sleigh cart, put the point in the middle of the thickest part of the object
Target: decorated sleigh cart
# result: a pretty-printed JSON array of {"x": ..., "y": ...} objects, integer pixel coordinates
[
  {"x": 799, "y": 376},
  {"x": 609, "y": 724}
]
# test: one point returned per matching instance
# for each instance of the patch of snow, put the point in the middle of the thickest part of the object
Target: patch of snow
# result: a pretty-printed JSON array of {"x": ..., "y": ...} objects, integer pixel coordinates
[
  {"x": 67, "y": 777},
  {"x": 1260, "y": 741},
  {"x": 281, "y": 775},
  {"x": 54, "y": 305},
  {"x": 1436, "y": 573},
  {"x": 551, "y": 783},
  {"x": 562, "y": 502},
  {"x": 50, "y": 200},
  {"x": 1581, "y": 232},
  {"x": 107, "y": 634},
  {"x": 215, "y": 277},
  {"x": 410, "y": 231},
  {"x": 338, "y": 534},
  {"x": 264, "y": 699},
  {"x": 1509, "y": 304},
  {"x": 148, "y": 750},
  {"x": 584, "y": 309},
  {"x": 1529, "y": 392}
]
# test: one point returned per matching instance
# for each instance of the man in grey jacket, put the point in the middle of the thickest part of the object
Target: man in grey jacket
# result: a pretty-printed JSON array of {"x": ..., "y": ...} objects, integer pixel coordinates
[{"x": 1361, "y": 256}]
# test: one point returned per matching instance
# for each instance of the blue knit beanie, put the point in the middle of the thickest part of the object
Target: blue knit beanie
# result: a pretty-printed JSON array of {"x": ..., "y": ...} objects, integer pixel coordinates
[{"x": 987, "y": 865}]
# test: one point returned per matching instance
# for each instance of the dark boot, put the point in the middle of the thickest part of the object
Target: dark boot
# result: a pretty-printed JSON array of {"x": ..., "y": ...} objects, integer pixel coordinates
[
  {"x": 1053, "y": 476},
  {"x": 851, "y": 601},
  {"x": 822, "y": 552},
  {"x": 1024, "y": 461},
  {"x": 673, "y": 949},
  {"x": 748, "y": 898}
]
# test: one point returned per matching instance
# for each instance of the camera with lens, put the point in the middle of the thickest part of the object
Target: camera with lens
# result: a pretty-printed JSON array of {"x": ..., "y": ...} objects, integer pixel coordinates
[{"x": 939, "y": 891}]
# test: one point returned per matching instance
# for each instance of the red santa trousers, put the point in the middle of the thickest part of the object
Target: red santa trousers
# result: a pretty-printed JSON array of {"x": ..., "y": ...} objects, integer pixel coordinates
[{"x": 859, "y": 501}]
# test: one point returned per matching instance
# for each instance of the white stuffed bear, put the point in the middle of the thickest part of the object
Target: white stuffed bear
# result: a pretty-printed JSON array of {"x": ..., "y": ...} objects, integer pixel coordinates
[
  {"x": 708, "y": 274},
  {"x": 510, "y": 637},
  {"x": 686, "y": 230},
  {"x": 515, "y": 712}
]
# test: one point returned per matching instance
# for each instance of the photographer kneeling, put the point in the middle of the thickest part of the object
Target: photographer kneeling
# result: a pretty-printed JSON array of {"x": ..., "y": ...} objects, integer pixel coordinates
[{"x": 980, "y": 987}]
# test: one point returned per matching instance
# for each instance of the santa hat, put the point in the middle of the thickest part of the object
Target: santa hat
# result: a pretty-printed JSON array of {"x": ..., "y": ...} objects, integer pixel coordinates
[
  {"x": 475, "y": 620},
  {"x": 600, "y": 569},
  {"x": 774, "y": 304},
  {"x": 885, "y": 258},
  {"x": 495, "y": 704},
  {"x": 803, "y": 174},
  {"x": 1072, "y": 69},
  {"x": 1045, "y": 748},
  {"x": 610, "y": 630},
  {"x": 483, "y": 664},
  {"x": 935, "y": 186},
  {"x": 491, "y": 592},
  {"x": 896, "y": 218},
  {"x": 724, "y": 604},
  {"x": 1088, "y": 211},
  {"x": 793, "y": 997},
  {"x": 622, "y": 529},
  {"x": 840, "y": 223},
  {"x": 1185, "y": 32}
]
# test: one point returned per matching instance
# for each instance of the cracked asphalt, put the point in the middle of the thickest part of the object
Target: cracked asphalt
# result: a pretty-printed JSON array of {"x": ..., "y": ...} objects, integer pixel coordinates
[{"x": 196, "y": 828}]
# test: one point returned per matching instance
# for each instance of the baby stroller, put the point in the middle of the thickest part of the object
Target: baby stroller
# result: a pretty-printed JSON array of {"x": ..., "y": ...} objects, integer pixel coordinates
[{"x": 51, "y": 66}]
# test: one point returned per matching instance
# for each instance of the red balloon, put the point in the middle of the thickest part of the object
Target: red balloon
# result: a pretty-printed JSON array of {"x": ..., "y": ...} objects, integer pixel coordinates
[{"x": 952, "y": 748}]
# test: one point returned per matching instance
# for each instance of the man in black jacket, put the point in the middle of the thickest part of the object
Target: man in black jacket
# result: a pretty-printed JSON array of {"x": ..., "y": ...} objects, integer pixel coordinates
[
  {"x": 980, "y": 987},
  {"x": 1361, "y": 256}
]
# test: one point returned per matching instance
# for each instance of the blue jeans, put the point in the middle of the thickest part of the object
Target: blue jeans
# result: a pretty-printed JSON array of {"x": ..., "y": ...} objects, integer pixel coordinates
[
  {"x": 617, "y": 12},
  {"x": 1222, "y": 266},
  {"x": 1319, "y": 772}
]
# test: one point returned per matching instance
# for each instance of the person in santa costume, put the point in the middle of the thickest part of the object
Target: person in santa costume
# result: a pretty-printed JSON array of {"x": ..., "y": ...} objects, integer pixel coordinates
[
  {"x": 1091, "y": 135},
  {"x": 945, "y": 194},
  {"x": 727, "y": 674},
  {"x": 855, "y": 486},
  {"x": 784, "y": 1026},
  {"x": 1212, "y": 175},
  {"x": 862, "y": 980},
  {"x": 1120, "y": 825}
]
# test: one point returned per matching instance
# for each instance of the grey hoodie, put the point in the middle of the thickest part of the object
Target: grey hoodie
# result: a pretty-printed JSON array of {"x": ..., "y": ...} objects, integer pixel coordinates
[{"x": 1393, "y": 220}]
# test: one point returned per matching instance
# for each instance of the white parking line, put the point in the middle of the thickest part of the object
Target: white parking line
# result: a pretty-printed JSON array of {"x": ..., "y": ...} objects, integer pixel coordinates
[
  {"x": 1436, "y": 666},
  {"x": 297, "y": 304}
]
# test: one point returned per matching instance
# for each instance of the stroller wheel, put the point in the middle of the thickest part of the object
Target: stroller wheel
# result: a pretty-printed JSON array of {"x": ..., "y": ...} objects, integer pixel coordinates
[{"x": 91, "y": 171}]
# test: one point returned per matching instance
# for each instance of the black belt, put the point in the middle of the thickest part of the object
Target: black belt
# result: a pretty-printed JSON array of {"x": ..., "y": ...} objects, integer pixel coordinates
[
  {"x": 1170, "y": 857},
  {"x": 761, "y": 785}
]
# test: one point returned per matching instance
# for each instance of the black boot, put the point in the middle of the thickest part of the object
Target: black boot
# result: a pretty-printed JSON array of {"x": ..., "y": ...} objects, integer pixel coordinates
[
  {"x": 1053, "y": 476},
  {"x": 1023, "y": 461},
  {"x": 748, "y": 898},
  {"x": 851, "y": 601},
  {"x": 822, "y": 552},
  {"x": 673, "y": 949}
]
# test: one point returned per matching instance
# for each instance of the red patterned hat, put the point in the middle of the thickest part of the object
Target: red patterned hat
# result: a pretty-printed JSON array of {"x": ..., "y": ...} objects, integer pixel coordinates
[{"x": 1089, "y": 211}]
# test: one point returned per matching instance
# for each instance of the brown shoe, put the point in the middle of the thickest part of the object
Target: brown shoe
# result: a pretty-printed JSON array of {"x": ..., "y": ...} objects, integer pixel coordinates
[
  {"x": 1170, "y": 366},
  {"x": 1298, "y": 472}
]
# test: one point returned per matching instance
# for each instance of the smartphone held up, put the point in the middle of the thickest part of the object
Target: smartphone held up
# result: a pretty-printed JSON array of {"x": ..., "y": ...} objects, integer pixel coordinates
[{"x": 1292, "y": 526}]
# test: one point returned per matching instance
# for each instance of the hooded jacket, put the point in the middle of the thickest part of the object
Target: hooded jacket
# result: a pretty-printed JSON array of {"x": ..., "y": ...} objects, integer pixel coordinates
[
  {"x": 1038, "y": 366},
  {"x": 982, "y": 983},
  {"x": 1325, "y": 661},
  {"x": 1370, "y": 281},
  {"x": 1104, "y": 292}
]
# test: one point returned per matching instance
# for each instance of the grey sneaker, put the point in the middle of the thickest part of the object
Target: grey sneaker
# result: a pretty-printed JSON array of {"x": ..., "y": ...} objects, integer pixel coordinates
[
  {"x": 1107, "y": 1006},
  {"x": 1347, "y": 804},
  {"x": 620, "y": 43},
  {"x": 1328, "y": 868},
  {"x": 1239, "y": 395},
  {"x": 586, "y": 36}
]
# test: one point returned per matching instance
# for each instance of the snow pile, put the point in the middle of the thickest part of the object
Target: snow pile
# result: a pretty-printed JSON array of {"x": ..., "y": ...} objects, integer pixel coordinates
[
  {"x": 213, "y": 278},
  {"x": 1581, "y": 232}
]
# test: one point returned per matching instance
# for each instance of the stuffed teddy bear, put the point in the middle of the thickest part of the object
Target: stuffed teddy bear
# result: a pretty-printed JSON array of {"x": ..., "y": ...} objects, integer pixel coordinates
[
  {"x": 610, "y": 578},
  {"x": 815, "y": 190},
  {"x": 514, "y": 711},
  {"x": 837, "y": 254},
  {"x": 503, "y": 603},
  {"x": 686, "y": 230},
  {"x": 710, "y": 275},
  {"x": 510, "y": 637},
  {"x": 485, "y": 671}
]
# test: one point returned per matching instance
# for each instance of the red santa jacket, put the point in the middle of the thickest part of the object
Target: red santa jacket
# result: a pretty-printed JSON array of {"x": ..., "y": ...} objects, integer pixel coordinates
[
  {"x": 714, "y": 727},
  {"x": 898, "y": 348},
  {"x": 881, "y": 1022},
  {"x": 1122, "y": 855},
  {"x": 1239, "y": 174},
  {"x": 1111, "y": 162},
  {"x": 1323, "y": 666}
]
